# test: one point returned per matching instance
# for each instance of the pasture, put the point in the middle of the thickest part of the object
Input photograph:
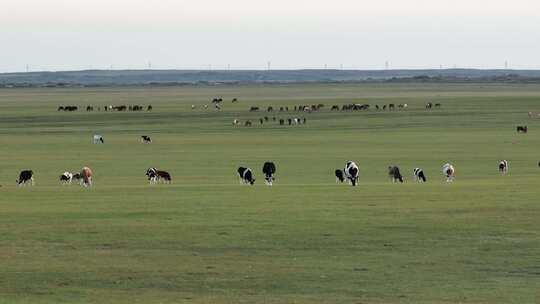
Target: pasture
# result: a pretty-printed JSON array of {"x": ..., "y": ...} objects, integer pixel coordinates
[{"x": 207, "y": 239}]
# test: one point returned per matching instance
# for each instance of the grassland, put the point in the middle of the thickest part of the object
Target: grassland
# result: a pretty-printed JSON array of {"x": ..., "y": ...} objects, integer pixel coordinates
[{"x": 206, "y": 239}]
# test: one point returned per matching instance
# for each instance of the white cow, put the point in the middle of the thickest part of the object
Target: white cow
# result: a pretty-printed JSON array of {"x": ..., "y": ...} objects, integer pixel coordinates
[{"x": 449, "y": 171}]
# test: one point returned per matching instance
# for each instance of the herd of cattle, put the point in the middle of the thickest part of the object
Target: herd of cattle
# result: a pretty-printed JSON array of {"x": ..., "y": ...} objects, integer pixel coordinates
[
  {"x": 345, "y": 107},
  {"x": 351, "y": 173},
  {"x": 120, "y": 108},
  {"x": 282, "y": 121}
]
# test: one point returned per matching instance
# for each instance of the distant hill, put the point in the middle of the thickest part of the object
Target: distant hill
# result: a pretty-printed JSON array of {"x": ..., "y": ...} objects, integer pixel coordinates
[{"x": 182, "y": 77}]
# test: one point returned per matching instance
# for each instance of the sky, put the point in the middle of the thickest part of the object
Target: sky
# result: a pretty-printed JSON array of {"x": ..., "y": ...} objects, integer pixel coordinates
[{"x": 57, "y": 35}]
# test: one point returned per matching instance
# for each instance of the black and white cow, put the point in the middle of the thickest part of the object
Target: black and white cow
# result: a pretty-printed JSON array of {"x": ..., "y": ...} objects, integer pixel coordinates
[
  {"x": 351, "y": 172},
  {"x": 340, "y": 178},
  {"x": 146, "y": 139},
  {"x": 269, "y": 169},
  {"x": 245, "y": 175},
  {"x": 395, "y": 175},
  {"x": 25, "y": 177},
  {"x": 154, "y": 175},
  {"x": 98, "y": 139},
  {"x": 521, "y": 129},
  {"x": 418, "y": 175},
  {"x": 503, "y": 166},
  {"x": 66, "y": 178}
]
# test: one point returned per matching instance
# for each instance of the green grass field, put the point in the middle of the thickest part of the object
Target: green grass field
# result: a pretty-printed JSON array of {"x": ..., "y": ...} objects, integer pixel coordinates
[{"x": 207, "y": 239}]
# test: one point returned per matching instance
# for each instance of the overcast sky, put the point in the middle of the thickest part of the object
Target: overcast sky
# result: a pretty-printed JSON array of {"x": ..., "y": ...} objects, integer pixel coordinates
[{"x": 242, "y": 34}]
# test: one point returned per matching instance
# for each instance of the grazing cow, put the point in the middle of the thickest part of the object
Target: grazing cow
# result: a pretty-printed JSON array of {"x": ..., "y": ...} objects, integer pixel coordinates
[
  {"x": 281, "y": 122},
  {"x": 86, "y": 176},
  {"x": 98, "y": 139},
  {"x": 289, "y": 120},
  {"x": 270, "y": 109},
  {"x": 146, "y": 139},
  {"x": 449, "y": 171},
  {"x": 25, "y": 177},
  {"x": 254, "y": 109},
  {"x": 247, "y": 123},
  {"x": 394, "y": 174},
  {"x": 149, "y": 108},
  {"x": 340, "y": 178},
  {"x": 154, "y": 175},
  {"x": 391, "y": 106},
  {"x": 261, "y": 121},
  {"x": 522, "y": 129},
  {"x": 437, "y": 105},
  {"x": 269, "y": 169},
  {"x": 193, "y": 107},
  {"x": 245, "y": 175},
  {"x": 351, "y": 172},
  {"x": 66, "y": 178},
  {"x": 503, "y": 166},
  {"x": 234, "y": 100},
  {"x": 77, "y": 177},
  {"x": 418, "y": 175},
  {"x": 429, "y": 105},
  {"x": 236, "y": 122},
  {"x": 89, "y": 108},
  {"x": 335, "y": 107}
]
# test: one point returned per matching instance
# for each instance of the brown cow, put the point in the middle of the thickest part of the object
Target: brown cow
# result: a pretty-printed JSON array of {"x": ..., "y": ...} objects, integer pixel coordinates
[{"x": 86, "y": 175}]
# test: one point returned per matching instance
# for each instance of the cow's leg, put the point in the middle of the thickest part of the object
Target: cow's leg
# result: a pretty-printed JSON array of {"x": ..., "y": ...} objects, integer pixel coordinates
[{"x": 32, "y": 180}]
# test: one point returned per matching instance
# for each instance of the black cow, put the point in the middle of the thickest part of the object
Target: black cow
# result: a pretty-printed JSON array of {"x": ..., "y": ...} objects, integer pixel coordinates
[
  {"x": 522, "y": 129},
  {"x": 418, "y": 175},
  {"x": 146, "y": 139},
  {"x": 149, "y": 108},
  {"x": 245, "y": 175},
  {"x": 334, "y": 107},
  {"x": 25, "y": 177},
  {"x": 254, "y": 109},
  {"x": 395, "y": 175},
  {"x": 269, "y": 169},
  {"x": 339, "y": 176}
]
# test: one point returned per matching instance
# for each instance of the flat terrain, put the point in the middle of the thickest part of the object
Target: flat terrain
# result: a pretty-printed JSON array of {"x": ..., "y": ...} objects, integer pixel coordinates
[{"x": 207, "y": 239}]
